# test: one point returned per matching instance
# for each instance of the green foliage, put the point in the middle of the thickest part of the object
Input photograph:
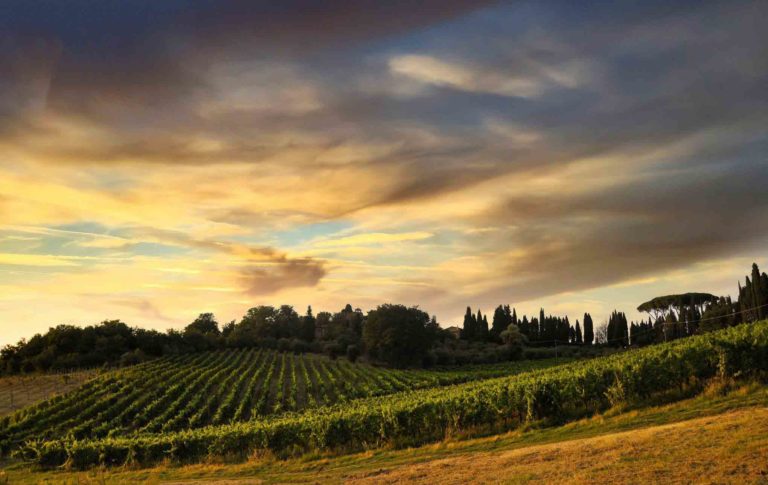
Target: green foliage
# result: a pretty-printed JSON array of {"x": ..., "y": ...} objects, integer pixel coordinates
[
  {"x": 589, "y": 329},
  {"x": 397, "y": 334},
  {"x": 676, "y": 302},
  {"x": 214, "y": 388}
]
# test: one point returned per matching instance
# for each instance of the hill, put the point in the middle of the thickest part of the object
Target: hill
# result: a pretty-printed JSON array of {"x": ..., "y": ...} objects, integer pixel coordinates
[
  {"x": 220, "y": 387},
  {"x": 50, "y": 434},
  {"x": 17, "y": 392},
  {"x": 681, "y": 442}
]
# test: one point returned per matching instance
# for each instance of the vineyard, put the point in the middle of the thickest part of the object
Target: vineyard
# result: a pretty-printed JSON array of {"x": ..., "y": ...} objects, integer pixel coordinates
[
  {"x": 215, "y": 388},
  {"x": 555, "y": 393}
]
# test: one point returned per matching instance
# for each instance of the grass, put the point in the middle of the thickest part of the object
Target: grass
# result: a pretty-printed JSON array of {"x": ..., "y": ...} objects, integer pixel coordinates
[
  {"x": 17, "y": 392},
  {"x": 719, "y": 436}
]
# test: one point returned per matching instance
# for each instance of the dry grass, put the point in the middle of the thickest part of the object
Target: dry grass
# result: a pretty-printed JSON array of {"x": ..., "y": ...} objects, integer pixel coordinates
[
  {"x": 20, "y": 391},
  {"x": 729, "y": 448}
]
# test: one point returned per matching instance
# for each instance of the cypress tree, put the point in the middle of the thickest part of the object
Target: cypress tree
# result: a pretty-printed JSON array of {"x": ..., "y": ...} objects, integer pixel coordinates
[
  {"x": 526, "y": 329},
  {"x": 484, "y": 334},
  {"x": 500, "y": 322},
  {"x": 478, "y": 325},
  {"x": 579, "y": 339},
  {"x": 589, "y": 331},
  {"x": 467, "y": 332},
  {"x": 757, "y": 292}
]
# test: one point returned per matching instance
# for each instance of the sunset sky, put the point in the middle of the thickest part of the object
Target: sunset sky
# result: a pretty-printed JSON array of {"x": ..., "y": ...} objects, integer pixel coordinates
[{"x": 166, "y": 158}]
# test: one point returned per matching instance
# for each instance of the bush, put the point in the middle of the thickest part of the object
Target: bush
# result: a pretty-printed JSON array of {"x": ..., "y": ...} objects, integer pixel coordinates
[
  {"x": 353, "y": 352},
  {"x": 299, "y": 346},
  {"x": 283, "y": 344},
  {"x": 133, "y": 358},
  {"x": 333, "y": 350}
]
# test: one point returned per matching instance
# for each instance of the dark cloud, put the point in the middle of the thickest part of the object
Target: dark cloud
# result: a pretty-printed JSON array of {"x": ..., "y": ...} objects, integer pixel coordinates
[
  {"x": 293, "y": 273},
  {"x": 125, "y": 58},
  {"x": 144, "y": 306},
  {"x": 631, "y": 230},
  {"x": 265, "y": 269}
]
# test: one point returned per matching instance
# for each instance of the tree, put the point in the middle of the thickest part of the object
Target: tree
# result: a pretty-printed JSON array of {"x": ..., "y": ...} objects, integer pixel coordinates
[
  {"x": 227, "y": 329},
  {"x": 397, "y": 334},
  {"x": 206, "y": 324},
  {"x": 563, "y": 329},
  {"x": 589, "y": 333},
  {"x": 346, "y": 326},
  {"x": 468, "y": 328},
  {"x": 601, "y": 334},
  {"x": 579, "y": 338},
  {"x": 484, "y": 334},
  {"x": 753, "y": 296},
  {"x": 307, "y": 326},
  {"x": 671, "y": 330},
  {"x": 202, "y": 334},
  {"x": 617, "y": 332},
  {"x": 353, "y": 352},
  {"x": 686, "y": 309},
  {"x": 287, "y": 322},
  {"x": 526, "y": 329},
  {"x": 723, "y": 313},
  {"x": 514, "y": 340},
  {"x": 434, "y": 330},
  {"x": 481, "y": 327},
  {"x": 501, "y": 320},
  {"x": 259, "y": 323},
  {"x": 322, "y": 325}
]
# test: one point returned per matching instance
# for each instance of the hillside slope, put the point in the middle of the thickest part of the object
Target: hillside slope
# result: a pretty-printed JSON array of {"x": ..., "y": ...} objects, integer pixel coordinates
[
  {"x": 683, "y": 442},
  {"x": 17, "y": 392},
  {"x": 727, "y": 448},
  {"x": 556, "y": 395},
  {"x": 225, "y": 386}
]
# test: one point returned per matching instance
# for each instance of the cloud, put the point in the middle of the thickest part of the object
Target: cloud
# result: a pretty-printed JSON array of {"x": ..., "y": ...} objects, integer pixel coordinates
[
  {"x": 372, "y": 238},
  {"x": 34, "y": 260},
  {"x": 468, "y": 152},
  {"x": 144, "y": 307},
  {"x": 153, "y": 56},
  {"x": 263, "y": 270},
  {"x": 441, "y": 73},
  {"x": 286, "y": 273},
  {"x": 636, "y": 229}
]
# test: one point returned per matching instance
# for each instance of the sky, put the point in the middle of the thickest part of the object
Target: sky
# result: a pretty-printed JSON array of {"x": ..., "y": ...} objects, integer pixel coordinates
[{"x": 164, "y": 159}]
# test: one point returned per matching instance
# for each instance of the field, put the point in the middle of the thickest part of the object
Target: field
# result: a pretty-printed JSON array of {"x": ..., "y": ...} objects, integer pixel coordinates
[
  {"x": 214, "y": 388},
  {"x": 682, "y": 442},
  {"x": 232, "y": 406},
  {"x": 21, "y": 391}
]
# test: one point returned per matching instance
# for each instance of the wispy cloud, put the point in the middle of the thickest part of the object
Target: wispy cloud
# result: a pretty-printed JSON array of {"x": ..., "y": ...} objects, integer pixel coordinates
[{"x": 372, "y": 238}]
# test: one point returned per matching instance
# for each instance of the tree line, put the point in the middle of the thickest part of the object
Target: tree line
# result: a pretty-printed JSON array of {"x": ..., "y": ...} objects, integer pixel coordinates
[
  {"x": 544, "y": 330},
  {"x": 392, "y": 334}
]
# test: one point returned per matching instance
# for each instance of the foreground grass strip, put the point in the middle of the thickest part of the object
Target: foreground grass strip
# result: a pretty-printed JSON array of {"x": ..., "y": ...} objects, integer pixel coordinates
[{"x": 555, "y": 394}]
